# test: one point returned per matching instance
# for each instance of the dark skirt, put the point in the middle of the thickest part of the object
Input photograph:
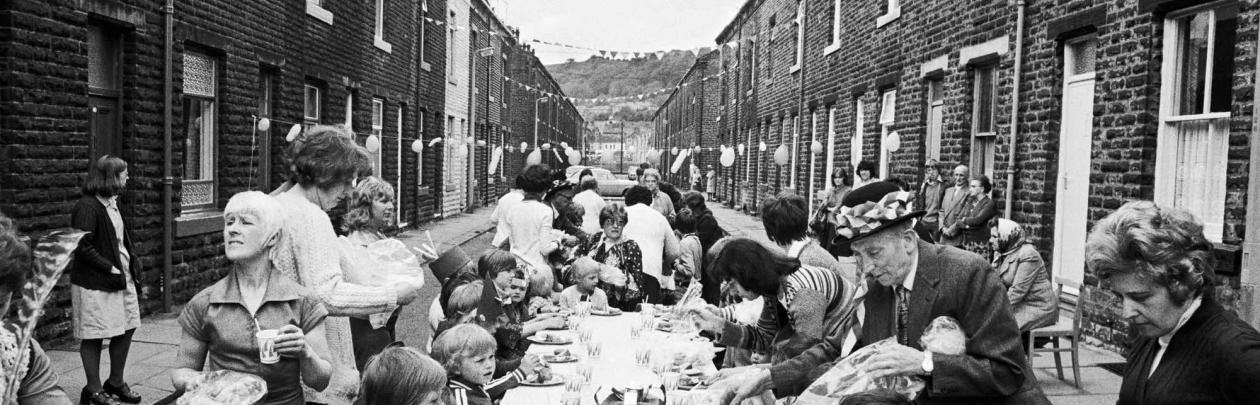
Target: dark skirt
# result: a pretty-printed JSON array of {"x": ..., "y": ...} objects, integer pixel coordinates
[{"x": 368, "y": 341}]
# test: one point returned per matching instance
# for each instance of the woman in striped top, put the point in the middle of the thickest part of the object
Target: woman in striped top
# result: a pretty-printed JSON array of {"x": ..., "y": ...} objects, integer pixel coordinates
[{"x": 803, "y": 304}]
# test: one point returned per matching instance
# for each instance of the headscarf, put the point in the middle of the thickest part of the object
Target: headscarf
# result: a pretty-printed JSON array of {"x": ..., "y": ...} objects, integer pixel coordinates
[{"x": 1009, "y": 238}]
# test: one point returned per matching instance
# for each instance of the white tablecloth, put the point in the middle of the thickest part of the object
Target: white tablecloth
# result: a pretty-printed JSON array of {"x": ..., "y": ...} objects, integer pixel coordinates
[{"x": 616, "y": 367}]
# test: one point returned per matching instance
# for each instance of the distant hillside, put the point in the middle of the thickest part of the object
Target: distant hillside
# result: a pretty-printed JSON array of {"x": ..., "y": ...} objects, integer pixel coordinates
[{"x": 600, "y": 77}]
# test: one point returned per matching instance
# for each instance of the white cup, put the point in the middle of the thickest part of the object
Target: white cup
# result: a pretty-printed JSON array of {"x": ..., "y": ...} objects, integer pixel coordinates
[{"x": 267, "y": 346}]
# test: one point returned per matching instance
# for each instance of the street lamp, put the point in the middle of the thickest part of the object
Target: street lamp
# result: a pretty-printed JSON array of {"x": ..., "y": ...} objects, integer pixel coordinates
[{"x": 621, "y": 167}]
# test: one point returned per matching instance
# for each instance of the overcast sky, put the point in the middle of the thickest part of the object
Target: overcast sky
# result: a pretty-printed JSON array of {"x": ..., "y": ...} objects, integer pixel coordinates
[{"x": 617, "y": 25}]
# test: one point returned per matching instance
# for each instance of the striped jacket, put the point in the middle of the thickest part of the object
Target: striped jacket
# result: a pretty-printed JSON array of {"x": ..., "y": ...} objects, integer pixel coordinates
[
  {"x": 466, "y": 393},
  {"x": 809, "y": 303}
]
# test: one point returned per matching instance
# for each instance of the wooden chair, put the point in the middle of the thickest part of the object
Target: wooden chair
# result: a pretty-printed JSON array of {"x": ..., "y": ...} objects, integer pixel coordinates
[{"x": 1069, "y": 327}]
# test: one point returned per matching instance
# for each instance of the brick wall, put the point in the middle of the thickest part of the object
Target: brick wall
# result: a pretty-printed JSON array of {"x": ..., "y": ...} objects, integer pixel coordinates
[
  {"x": 868, "y": 59},
  {"x": 47, "y": 131}
]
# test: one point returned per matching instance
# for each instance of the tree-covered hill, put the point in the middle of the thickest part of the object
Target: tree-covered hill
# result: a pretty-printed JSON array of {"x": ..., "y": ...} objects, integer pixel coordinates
[{"x": 600, "y": 77}]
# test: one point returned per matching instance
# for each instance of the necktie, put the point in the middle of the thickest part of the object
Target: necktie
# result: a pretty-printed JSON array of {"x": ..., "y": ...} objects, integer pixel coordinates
[{"x": 903, "y": 312}]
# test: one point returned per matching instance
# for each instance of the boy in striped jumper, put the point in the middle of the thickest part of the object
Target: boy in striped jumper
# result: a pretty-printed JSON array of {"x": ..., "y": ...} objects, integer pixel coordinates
[{"x": 467, "y": 353}]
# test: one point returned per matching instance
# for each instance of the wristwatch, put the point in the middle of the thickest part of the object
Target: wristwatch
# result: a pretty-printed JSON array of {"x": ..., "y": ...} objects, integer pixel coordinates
[{"x": 927, "y": 363}]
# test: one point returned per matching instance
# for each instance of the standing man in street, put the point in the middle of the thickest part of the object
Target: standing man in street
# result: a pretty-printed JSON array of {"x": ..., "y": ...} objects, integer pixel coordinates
[
  {"x": 952, "y": 205},
  {"x": 909, "y": 283},
  {"x": 931, "y": 195}
]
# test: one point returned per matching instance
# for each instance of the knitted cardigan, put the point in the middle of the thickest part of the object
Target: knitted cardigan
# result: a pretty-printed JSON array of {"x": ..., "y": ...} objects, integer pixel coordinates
[{"x": 308, "y": 251}]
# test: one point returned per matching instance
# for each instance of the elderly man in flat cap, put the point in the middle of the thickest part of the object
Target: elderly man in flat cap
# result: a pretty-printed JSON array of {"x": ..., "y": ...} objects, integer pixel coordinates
[{"x": 909, "y": 283}]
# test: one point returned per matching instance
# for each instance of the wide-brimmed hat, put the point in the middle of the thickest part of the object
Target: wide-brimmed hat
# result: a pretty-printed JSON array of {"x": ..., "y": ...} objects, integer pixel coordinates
[{"x": 872, "y": 208}]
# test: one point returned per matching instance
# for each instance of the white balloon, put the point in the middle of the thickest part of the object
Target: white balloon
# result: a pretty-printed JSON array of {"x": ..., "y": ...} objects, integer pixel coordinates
[
  {"x": 546, "y": 146},
  {"x": 816, "y": 147},
  {"x": 674, "y": 151},
  {"x": 373, "y": 144},
  {"x": 781, "y": 155},
  {"x": 481, "y": 142},
  {"x": 728, "y": 158},
  {"x": 534, "y": 157},
  {"x": 417, "y": 146},
  {"x": 524, "y": 146},
  {"x": 264, "y": 124},
  {"x": 762, "y": 146},
  {"x": 741, "y": 149},
  {"x": 893, "y": 142},
  {"x": 575, "y": 158},
  {"x": 564, "y": 144},
  {"x": 293, "y": 133}
]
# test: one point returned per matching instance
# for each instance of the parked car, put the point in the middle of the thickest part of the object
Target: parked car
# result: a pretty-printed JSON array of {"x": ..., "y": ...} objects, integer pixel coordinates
[{"x": 609, "y": 184}]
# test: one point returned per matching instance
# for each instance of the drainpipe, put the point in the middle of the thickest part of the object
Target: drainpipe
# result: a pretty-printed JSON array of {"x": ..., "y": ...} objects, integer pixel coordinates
[
  {"x": 1019, "y": 51},
  {"x": 168, "y": 179},
  {"x": 1248, "y": 305}
]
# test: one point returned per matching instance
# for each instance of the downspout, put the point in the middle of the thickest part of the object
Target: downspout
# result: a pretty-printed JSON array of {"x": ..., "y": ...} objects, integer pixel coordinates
[
  {"x": 1019, "y": 52},
  {"x": 1250, "y": 276},
  {"x": 168, "y": 179},
  {"x": 800, "y": 103}
]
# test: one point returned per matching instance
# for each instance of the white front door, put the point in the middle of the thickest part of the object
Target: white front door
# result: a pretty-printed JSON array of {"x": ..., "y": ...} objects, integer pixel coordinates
[{"x": 1075, "y": 137}]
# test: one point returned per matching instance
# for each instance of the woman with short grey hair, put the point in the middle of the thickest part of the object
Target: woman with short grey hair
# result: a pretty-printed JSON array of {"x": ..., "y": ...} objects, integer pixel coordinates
[
  {"x": 1188, "y": 347},
  {"x": 220, "y": 323}
]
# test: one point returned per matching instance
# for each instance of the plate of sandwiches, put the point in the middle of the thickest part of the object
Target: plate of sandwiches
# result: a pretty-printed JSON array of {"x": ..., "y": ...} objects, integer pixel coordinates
[
  {"x": 549, "y": 339},
  {"x": 560, "y": 356},
  {"x": 544, "y": 378}
]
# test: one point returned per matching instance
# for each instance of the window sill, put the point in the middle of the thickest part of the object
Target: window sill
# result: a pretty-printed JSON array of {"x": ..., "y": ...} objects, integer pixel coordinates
[
  {"x": 382, "y": 45},
  {"x": 320, "y": 13},
  {"x": 795, "y": 68},
  {"x": 199, "y": 222},
  {"x": 830, "y": 49},
  {"x": 892, "y": 15},
  {"x": 426, "y": 66}
]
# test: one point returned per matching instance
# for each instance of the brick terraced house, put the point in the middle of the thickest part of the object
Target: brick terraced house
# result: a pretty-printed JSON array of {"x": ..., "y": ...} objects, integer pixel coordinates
[
  {"x": 177, "y": 89},
  {"x": 1071, "y": 107}
]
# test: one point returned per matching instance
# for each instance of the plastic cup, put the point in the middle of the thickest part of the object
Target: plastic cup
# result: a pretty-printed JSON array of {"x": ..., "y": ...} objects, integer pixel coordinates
[{"x": 267, "y": 353}]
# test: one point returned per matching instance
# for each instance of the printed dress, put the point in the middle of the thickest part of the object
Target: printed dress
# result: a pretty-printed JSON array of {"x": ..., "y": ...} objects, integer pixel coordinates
[{"x": 625, "y": 256}]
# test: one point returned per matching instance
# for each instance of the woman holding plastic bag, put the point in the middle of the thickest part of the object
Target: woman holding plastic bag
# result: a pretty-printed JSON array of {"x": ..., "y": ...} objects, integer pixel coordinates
[{"x": 375, "y": 259}]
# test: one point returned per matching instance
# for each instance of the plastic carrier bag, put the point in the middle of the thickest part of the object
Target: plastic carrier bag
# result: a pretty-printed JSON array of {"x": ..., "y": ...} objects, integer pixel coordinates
[{"x": 848, "y": 376}]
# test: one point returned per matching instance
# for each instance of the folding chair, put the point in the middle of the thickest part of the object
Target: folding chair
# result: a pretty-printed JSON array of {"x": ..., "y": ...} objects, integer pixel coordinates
[{"x": 1067, "y": 327}]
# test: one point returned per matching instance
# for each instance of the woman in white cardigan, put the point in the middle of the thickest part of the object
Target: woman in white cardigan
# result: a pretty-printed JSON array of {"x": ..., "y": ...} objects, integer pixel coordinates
[{"x": 325, "y": 165}]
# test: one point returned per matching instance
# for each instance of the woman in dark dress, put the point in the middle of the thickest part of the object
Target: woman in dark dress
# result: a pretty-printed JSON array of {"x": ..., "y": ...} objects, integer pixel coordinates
[
  {"x": 973, "y": 222},
  {"x": 1188, "y": 348},
  {"x": 708, "y": 231}
]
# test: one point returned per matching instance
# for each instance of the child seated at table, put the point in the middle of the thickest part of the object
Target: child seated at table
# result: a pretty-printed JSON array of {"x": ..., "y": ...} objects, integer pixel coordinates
[
  {"x": 585, "y": 279},
  {"x": 466, "y": 352},
  {"x": 402, "y": 375}
]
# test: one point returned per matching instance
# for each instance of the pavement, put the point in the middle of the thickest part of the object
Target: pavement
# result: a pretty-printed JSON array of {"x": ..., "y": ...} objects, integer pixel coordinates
[{"x": 154, "y": 345}]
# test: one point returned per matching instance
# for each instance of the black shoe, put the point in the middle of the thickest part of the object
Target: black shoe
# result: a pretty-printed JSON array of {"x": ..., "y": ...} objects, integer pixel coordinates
[
  {"x": 94, "y": 398},
  {"x": 122, "y": 393}
]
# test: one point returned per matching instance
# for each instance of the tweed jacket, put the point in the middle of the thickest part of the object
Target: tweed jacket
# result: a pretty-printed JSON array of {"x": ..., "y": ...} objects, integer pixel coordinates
[{"x": 949, "y": 282}]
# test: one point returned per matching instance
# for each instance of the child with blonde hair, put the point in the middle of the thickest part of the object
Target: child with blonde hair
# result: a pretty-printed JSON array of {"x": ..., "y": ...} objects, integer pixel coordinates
[
  {"x": 585, "y": 286},
  {"x": 466, "y": 352}
]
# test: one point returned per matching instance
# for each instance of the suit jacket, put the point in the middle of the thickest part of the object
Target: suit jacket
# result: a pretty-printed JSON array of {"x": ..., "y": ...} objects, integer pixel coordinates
[
  {"x": 1213, "y": 359},
  {"x": 949, "y": 282},
  {"x": 951, "y": 207}
]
